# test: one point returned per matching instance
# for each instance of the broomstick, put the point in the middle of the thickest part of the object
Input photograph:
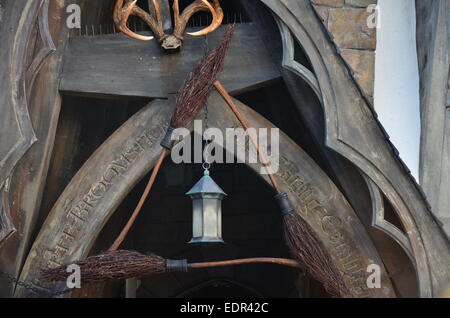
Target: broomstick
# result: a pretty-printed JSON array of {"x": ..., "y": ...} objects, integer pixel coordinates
[
  {"x": 299, "y": 236},
  {"x": 304, "y": 245},
  {"x": 191, "y": 99},
  {"x": 197, "y": 86},
  {"x": 122, "y": 264}
]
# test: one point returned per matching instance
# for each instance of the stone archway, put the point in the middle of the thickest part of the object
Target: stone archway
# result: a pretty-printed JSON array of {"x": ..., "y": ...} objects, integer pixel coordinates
[
  {"x": 130, "y": 153},
  {"x": 353, "y": 131}
]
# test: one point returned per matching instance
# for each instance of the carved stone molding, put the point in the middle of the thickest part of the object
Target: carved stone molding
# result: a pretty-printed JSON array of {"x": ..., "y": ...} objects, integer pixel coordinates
[
  {"x": 291, "y": 64},
  {"x": 379, "y": 222},
  {"x": 433, "y": 47},
  {"x": 113, "y": 170},
  {"x": 45, "y": 44},
  {"x": 26, "y": 45},
  {"x": 14, "y": 99},
  {"x": 6, "y": 225},
  {"x": 354, "y": 132}
]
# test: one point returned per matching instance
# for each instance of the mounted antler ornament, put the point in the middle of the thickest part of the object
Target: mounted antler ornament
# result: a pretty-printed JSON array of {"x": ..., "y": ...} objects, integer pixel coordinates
[{"x": 126, "y": 8}]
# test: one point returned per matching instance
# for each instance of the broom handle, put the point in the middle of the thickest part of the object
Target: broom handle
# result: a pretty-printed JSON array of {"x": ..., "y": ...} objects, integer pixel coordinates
[
  {"x": 119, "y": 240},
  {"x": 229, "y": 100},
  {"x": 280, "y": 261}
]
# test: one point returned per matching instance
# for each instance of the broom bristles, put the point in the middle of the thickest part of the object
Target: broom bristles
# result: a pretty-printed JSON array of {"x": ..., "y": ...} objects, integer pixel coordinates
[
  {"x": 112, "y": 265},
  {"x": 309, "y": 251},
  {"x": 121, "y": 264},
  {"x": 302, "y": 242},
  {"x": 199, "y": 82}
]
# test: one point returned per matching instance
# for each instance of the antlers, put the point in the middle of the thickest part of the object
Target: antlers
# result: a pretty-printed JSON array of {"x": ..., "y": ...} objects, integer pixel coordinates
[
  {"x": 125, "y": 8},
  {"x": 198, "y": 5}
]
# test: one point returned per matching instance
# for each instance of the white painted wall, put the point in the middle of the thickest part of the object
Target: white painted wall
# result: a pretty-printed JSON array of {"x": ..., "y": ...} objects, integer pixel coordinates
[{"x": 396, "y": 95}]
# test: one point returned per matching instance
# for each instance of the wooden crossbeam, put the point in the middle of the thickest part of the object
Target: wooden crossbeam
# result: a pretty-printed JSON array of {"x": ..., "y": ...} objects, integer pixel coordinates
[{"x": 117, "y": 65}]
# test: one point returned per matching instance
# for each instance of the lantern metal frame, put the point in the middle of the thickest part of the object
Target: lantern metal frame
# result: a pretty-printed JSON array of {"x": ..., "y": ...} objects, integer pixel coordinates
[{"x": 207, "y": 199}]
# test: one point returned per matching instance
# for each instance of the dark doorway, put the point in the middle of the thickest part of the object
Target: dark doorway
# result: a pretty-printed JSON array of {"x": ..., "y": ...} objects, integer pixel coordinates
[{"x": 220, "y": 289}]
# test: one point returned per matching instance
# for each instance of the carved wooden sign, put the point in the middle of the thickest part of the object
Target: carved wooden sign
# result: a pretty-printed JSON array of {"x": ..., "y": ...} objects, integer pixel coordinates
[
  {"x": 96, "y": 191},
  {"x": 108, "y": 176},
  {"x": 319, "y": 201}
]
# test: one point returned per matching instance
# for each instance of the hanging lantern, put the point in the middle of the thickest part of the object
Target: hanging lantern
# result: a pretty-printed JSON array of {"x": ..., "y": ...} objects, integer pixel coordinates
[{"x": 207, "y": 199}]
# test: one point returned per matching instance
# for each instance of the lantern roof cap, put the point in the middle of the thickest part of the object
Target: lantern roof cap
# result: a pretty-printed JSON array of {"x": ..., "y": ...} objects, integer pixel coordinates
[{"x": 206, "y": 185}]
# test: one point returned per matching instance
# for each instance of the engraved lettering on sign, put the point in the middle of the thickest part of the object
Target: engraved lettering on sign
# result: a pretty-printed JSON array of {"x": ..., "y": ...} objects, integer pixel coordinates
[
  {"x": 79, "y": 214},
  {"x": 331, "y": 225},
  {"x": 99, "y": 190}
]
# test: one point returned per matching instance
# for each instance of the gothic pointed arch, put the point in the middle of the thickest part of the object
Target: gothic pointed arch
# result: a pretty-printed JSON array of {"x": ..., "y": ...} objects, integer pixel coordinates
[
  {"x": 352, "y": 130},
  {"x": 130, "y": 153}
]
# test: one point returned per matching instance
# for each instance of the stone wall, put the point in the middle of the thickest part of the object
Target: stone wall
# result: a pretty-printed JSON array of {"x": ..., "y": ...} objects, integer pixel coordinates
[{"x": 346, "y": 22}]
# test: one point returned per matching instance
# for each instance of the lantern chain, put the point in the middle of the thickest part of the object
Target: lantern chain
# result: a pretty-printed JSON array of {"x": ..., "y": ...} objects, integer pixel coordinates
[
  {"x": 206, "y": 164},
  {"x": 207, "y": 141}
]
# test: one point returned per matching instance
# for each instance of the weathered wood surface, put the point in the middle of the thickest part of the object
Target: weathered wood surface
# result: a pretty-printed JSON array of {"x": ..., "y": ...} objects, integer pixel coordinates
[
  {"x": 119, "y": 65},
  {"x": 317, "y": 199},
  {"x": 353, "y": 131},
  {"x": 353, "y": 186},
  {"x": 111, "y": 173},
  {"x": 433, "y": 47},
  {"x": 29, "y": 91},
  {"x": 33, "y": 31},
  {"x": 369, "y": 206},
  {"x": 7, "y": 227},
  {"x": 444, "y": 200},
  {"x": 102, "y": 184},
  {"x": 265, "y": 25},
  {"x": 17, "y": 133}
]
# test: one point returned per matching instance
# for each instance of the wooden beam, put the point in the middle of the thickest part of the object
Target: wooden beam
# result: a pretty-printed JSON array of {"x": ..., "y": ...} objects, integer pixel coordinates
[{"x": 118, "y": 65}]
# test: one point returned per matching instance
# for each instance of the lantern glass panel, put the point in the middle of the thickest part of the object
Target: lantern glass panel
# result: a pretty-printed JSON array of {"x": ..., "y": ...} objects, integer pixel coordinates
[
  {"x": 210, "y": 221},
  {"x": 197, "y": 218},
  {"x": 207, "y": 199}
]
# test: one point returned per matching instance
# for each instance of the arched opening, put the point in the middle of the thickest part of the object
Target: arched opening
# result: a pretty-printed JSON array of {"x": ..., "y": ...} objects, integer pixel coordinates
[
  {"x": 351, "y": 181},
  {"x": 220, "y": 288},
  {"x": 159, "y": 233},
  {"x": 252, "y": 227}
]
